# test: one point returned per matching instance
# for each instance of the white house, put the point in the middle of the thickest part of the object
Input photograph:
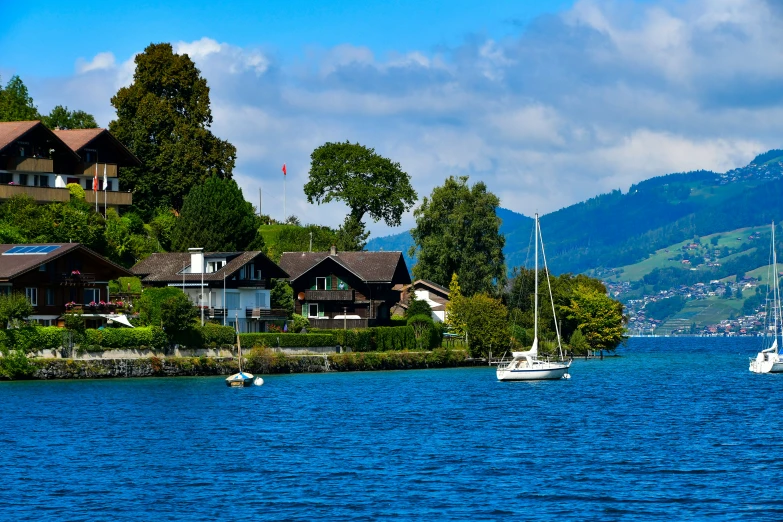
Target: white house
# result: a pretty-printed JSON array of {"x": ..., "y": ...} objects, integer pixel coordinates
[{"x": 230, "y": 287}]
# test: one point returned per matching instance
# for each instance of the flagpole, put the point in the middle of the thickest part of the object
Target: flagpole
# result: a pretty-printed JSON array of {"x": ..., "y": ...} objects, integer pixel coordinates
[{"x": 95, "y": 184}]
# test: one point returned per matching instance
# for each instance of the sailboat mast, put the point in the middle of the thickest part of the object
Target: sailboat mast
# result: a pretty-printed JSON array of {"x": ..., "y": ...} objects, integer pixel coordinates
[
  {"x": 775, "y": 289},
  {"x": 535, "y": 292}
]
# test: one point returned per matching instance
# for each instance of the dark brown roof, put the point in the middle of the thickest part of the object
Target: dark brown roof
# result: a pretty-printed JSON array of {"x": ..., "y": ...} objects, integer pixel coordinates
[
  {"x": 77, "y": 139},
  {"x": 14, "y": 265},
  {"x": 10, "y": 131},
  {"x": 164, "y": 268},
  {"x": 368, "y": 266},
  {"x": 431, "y": 284}
]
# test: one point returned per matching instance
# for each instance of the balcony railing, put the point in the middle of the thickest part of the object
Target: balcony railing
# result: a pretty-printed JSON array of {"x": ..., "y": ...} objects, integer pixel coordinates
[
  {"x": 339, "y": 324},
  {"x": 328, "y": 295},
  {"x": 254, "y": 283},
  {"x": 111, "y": 198},
  {"x": 29, "y": 164},
  {"x": 88, "y": 169},
  {"x": 76, "y": 279},
  {"x": 107, "y": 308},
  {"x": 39, "y": 194},
  {"x": 258, "y": 313}
]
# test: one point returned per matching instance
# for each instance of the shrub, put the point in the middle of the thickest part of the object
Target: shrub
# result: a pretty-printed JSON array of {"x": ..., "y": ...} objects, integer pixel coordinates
[
  {"x": 14, "y": 364},
  {"x": 287, "y": 340},
  {"x": 379, "y": 338},
  {"x": 151, "y": 337},
  {"x": 299, "y": 322},
  {"x": 208, "y": 336},
  {"x": 123, "y": 284},
  {"x": 33, "y": 338},
  {"x": 76, "y": 190},
  {"x": 149, "y": 304}
]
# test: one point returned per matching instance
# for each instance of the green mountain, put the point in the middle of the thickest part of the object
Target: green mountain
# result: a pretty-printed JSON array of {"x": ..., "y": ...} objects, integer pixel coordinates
[{"x": 622, "y": 229}]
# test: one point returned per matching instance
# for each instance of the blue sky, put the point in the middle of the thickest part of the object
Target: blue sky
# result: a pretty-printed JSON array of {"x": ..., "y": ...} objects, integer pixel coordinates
[{"x": 548, "y": 103}]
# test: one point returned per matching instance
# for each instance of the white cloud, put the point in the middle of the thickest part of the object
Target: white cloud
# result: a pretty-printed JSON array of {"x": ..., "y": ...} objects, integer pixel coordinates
[
  {"x": 101, "y": 61},
  {"x": 601, "y": 97}
]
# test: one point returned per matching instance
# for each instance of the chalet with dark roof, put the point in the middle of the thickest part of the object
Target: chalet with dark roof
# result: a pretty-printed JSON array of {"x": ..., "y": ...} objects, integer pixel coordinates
[
  {"x": 435, "y": 295},
  {"x": 60, "y": 277},
  {"x": 232, "y": 288},
  {"x": 40, "y": 163},
  {"x": 346, "y": 289}
]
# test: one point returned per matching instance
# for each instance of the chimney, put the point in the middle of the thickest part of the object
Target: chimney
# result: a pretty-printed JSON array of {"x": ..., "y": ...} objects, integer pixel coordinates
[
  {"x": 333, "y": 251},
  {"x": 196, "y": 260}
]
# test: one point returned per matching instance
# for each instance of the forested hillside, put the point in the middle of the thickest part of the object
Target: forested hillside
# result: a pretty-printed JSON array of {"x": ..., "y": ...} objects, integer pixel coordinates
[{"x": 619, "y": 229}]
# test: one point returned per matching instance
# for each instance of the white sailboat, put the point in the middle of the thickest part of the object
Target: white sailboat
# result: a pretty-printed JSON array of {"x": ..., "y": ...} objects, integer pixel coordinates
[
  {"x": 240, "y": 379},
  {"x": 526, "y": 366},
  {"x": 768, "y": 360}
]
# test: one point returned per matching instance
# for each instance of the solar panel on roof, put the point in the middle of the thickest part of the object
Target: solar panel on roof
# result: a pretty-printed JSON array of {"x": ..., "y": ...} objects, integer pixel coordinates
[{"x": 27, "y": 249}]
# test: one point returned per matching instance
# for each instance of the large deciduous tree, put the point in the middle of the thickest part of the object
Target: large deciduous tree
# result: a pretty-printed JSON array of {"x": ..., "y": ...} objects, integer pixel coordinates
[
  {"x": 365, "y": 181},
  {"x": 216, "y": 216},
  {"x": 598, "y": 316},
  {"x": 485, "y": 320},
  {"x": 458, "y": 231},
  {"x": 16, "y": 104},
  {"x": 163, "y": 117}
]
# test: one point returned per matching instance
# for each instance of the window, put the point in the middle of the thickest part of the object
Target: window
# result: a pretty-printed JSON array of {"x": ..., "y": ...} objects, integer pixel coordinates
[
  {"x": 313, "y": 310},
  {"x": 5, "y": 290},
  {"x": 6, "y": 177},
  {"x": 109, "y": 185},
  {"x": 214, "y": 266},
  {"x": 32, "y": 295},
  {"x": 92, "y": 295},
  {"x": 50, "y": 297},
  {"x": 43, "y": 181},
  {"x": 232, "y": 301},
  {"x": 262, "y": 299},
  {"x": 42, "y": 268},
  {"x": 320, "y": 283},
  {"x": 23, "y": 179}
]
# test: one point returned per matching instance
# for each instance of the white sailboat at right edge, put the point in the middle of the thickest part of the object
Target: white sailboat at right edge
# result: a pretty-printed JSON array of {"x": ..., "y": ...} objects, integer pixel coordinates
[
  {"x": 768, "y": 360},
  {"x": 526, "y": 366}
]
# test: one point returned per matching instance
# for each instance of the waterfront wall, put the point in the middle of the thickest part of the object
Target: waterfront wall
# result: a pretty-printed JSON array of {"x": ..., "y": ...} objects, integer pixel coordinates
[{"x": 258, "y": 361}]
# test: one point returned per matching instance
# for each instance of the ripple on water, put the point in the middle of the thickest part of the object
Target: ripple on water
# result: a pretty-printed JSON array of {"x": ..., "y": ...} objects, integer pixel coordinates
[{"x": 673, "y": 429}]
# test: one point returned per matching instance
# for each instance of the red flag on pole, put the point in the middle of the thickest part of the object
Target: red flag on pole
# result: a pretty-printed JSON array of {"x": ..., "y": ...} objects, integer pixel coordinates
[
  {"x": 95, "y": 180},
  {"x": 284, "y": 172}
]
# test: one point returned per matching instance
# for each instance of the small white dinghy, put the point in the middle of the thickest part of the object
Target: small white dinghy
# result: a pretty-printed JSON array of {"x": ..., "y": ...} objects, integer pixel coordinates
[{"x": 241, "y": 379}]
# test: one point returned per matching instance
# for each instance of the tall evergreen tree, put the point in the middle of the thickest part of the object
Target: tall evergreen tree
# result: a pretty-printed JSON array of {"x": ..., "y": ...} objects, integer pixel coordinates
[
  {"x": 458, "y": 231},
  {"x": 163, "y": 117},
  {"x": 216, "y": 217}
]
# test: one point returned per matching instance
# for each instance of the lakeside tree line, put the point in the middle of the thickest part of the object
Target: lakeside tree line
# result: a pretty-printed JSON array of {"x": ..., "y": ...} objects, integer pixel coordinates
[{"x": 184, "y": 195}]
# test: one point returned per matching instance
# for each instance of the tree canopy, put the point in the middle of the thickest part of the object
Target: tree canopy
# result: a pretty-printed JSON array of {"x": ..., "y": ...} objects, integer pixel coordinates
[
  {"x": 365, "y": 181},
  {"x": 458, "y": 231},
  {"x": 163, "y": 117},
  {"x": 62, "y": 118},
  {"x": 216, "y": 216},
  {"x": 598, "y": 317},
  {"x": 16, "y": 104}
]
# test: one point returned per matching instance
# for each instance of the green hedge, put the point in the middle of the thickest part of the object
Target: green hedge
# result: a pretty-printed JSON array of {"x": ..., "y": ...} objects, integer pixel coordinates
[
  {"x": 207, "y": 336},
  {"x": 379, "y": 338},
  {"x": 32, "y": 338},
  {"x": 287, "y": 340},
  {"x": 357, "y": 361},
  {"x": 152, "y": 337}
]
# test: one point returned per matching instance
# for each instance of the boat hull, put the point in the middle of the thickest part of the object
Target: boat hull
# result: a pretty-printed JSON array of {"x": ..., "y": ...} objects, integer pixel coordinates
[
  {"x": 240, "y": 380},
  {"x": 546, "y": 372},
  {"x": 766, "y": 366}
]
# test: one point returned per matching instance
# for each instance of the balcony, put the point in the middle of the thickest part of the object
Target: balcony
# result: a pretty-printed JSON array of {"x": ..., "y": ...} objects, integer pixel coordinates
[
  {"x": 265, "y": 313},
  {"x": 39, "y": 194},
  {"x": 27, "y": 164},
  {"x": 260, "y": 284},
  {"x": 76, "y": 278},
  {"x": 88, "y": 169},
  {"x": 106, "y": 308},
  {"x": 112, "y": 199},
  {"x": 328, "y": 295}
]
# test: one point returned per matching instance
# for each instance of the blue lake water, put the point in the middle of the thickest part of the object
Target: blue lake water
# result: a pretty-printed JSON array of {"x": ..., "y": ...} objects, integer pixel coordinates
[{"x": 674, "y": 429}]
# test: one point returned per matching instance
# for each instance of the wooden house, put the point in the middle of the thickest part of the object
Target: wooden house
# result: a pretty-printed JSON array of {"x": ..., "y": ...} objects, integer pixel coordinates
[
  {"x": 58, "y": 278},
  {"x": 346, "y": 289},
  {"x": 232, "y": 288},
  {"x": 433, "y": 294},
  {"x": 40, "y": 163}
]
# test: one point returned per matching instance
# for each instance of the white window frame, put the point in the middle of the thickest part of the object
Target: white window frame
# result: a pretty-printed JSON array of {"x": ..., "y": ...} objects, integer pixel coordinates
[
  {"x": 317, "y": 310},
  {"x": 317, "y": 286},
  {"x": 31, "y": 293}
]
